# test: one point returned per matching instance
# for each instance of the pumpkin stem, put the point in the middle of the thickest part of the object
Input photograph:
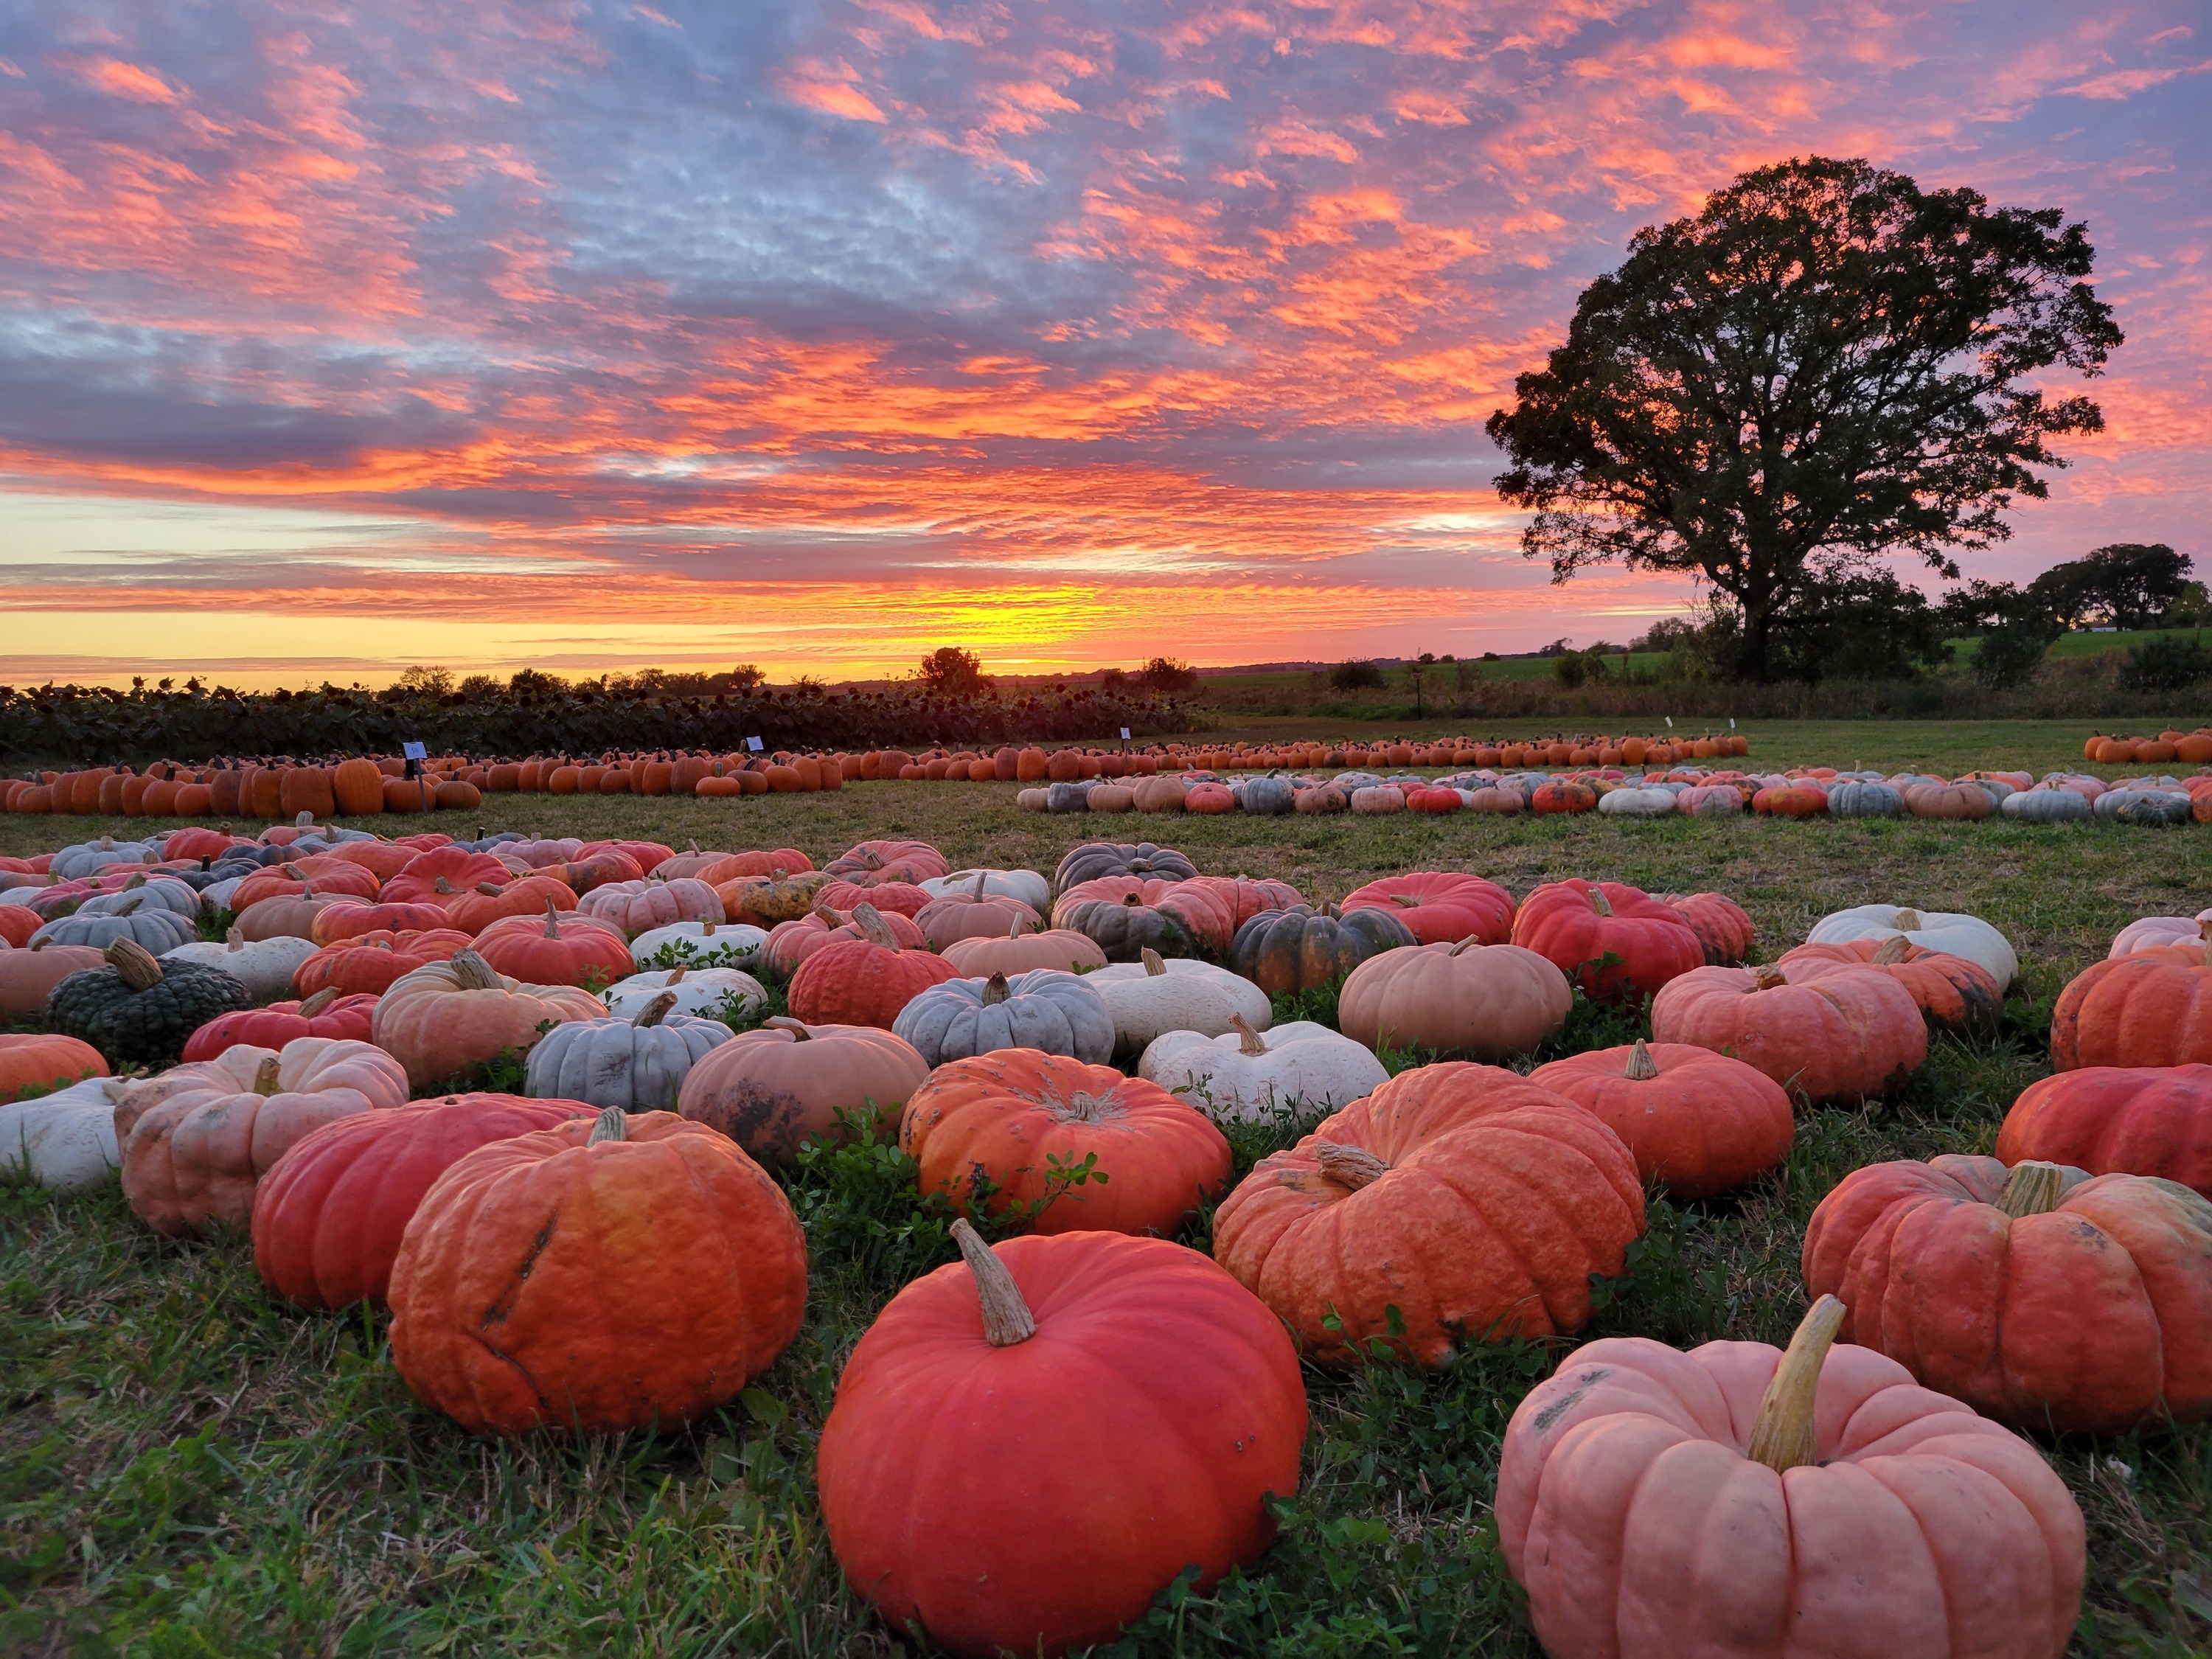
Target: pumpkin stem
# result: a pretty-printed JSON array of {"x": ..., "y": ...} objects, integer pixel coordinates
[
  {"x": 552, "y": 920},
  {"x": 1153, "y": 966},
  {"x": 265, "y": 1077},
  {"x": 1908, "y": 921},
  {"x": 1007, "y": 1317},
  {"x": 613, "y": 1125},
  {"x": 2033, "y": 1187},
  {"x": 695, "y": 846},
  {"x": 234, "y": 940},
  {"x": 1471, "y": 942},
  {"x": 1641, "y": 1068},
  {"x": 133, "y": 963},
  {"x": 1768, "y": 976},
  {"x": 786, "y": 1022},
  {"x": 1249, "y": 1042},
  {"x": 675, "y": 976},
  {"x": 129, "y": 905},
  {"x": 1350, "y": 1166},
  {"x": 1782, "y": 1433},
  {"x": 994, "y": 988},
  {"x": 1599, "y": 902},
  {"x": 655, "y": 1011},
  {"x": 441, "y": 885},
  {"x": 315, "y": 1004},
  {"x": 488, "y": 889},
  {"x": 873, "y": 928},
  {"x": 1014, "y": 925},
  {"x": 471, "y": 972},
  {"x": 1897, "y": 949},
  {"x": 980, "y": 877}
]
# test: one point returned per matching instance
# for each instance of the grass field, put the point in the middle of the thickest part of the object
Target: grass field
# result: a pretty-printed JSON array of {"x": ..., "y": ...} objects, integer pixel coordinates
[{"x": 187, "y": 1469}]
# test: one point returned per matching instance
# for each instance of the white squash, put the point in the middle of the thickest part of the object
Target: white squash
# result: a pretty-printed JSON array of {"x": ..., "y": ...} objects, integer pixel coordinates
[
  {"x": 1027, "y": 885},
  {"x": 263, "y": 966},
  {"x": 705, "y": 991},
  {"x": 712, "y": 944},
  {"x": 1150, "y": 996},
  {"x": 66, "y": 1139},
  {"x": 1245, "y": 1076},
  {"x": 1954, "y": 933}
]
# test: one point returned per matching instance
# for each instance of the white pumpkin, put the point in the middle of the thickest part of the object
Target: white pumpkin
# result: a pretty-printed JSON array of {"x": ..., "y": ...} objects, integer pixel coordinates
[
  {"x": 2152, "y": 932},
  {"x": 704, "y": 944},
  {"x": 1246, "y": 1075},
  {"x": 1034, "y": 800},
  {"x": 1027, "y": 885},
  {"x": 1638, "y": 803},
  {"x": 637, "y": 1062},
  {"x": 709, "y": 991},
  {"x": 1150, "y": 997},
  {"x": 65, "y": 1140},
  {"x": 1958, "y": 934},
  {"x": 263, "y": 966}
]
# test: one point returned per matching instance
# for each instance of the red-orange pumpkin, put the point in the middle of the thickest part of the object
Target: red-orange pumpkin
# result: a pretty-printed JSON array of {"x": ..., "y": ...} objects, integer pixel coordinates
[
  {"x": 1847, "y": 1033},
  {"x": 1441, "y": 907},
  {"x": 557, "y": 948},
  {"x": 2117, "y": 1120},
  {"x": 30, "y": 1060},
  {"x": 1577, "y": 925},
  {"x": 2150, "y": 1008},
  {"x": 1702, "y": 1122},
  {"x": 367, "y": 964},
  {"x": 863, "y": 982}
]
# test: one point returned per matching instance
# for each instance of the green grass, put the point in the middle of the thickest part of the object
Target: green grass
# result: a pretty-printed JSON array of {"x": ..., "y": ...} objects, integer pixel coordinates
[{"x": 186, "y": 1467}]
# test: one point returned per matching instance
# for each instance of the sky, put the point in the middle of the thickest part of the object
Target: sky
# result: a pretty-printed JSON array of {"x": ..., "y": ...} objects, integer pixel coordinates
[{"x": 590, "y": 336}]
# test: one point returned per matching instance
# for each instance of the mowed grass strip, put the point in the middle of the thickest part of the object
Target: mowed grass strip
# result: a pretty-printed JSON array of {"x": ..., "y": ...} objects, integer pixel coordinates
[{"x": 187, "y": 1468}]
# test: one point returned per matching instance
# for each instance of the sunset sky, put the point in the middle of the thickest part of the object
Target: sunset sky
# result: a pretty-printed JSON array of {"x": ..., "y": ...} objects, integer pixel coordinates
[{"x": 591, "y": 336}]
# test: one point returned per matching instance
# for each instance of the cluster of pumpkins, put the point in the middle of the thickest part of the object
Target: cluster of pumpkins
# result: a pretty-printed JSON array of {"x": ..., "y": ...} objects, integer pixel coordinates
[{"x": 612, "y": 1249}]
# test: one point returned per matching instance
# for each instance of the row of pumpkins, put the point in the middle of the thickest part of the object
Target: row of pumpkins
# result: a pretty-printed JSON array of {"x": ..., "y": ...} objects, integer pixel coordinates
[{"x": 1452, "y": 1202}]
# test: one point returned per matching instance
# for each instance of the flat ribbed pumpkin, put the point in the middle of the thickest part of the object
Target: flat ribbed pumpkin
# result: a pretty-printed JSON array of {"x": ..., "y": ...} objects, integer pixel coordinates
[
  {"x": 1699, "y": 1121},
  {"x": 1847, "y": 1033},
  {"x": 2151, "y": 1008},
  {"x": 1617, "y": 942},
  {"x": 1952, "y": 994}
]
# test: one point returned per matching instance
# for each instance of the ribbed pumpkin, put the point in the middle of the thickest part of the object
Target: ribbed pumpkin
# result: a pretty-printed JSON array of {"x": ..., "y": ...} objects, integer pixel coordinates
[
  {"x": 665, "y": 1271},
  {"x": 1302, "y": 949},
  {"x": 1126, "y": 915},
  {"x": 449, "y": 1017},
  {"x": 1440, "y": 906},
  {"x": 328, "y": 1217},
  {"x": 973, "y": 914},
  {"x": 1736, "y": 1500},
  {"x": 1847, "y": 1033},
  {"x": 888, "y": 861},
  {"x": 1022, "y": 949},
  {"x": 442, "y": 874},
  {"x": 765, "y": 901},
  {"x": 2149, "y": 1008},
  {"x": 790, "y": 943},
  {"x": 1142, "y": 860},
  {"x": 2041, "y": 1296},
  {"x": 865, "y": 980},
  {"x": 1952, "y": 994},
  {"x": 369, "y": 962},
  {"x": 487, "y": 903},
  {"x": 1085, "y": 1339},
  {"x": 339, "y": 922},
  {"x": 636, "y": 1061},
  {"x": 1047, "y": 1009},
  {"x": 31, "y": 1060},
  {"x": 1463, "y": 1001},
  {"x": 28, "y": 976},
  {"x": 324, "y": 1014},
  {"x": 135, "y": 1010},
  {"x": 1720, "y": 924},
  {"x": 1701, "y": 1123},
  {"x": 1576, "y": 925},
  {"x": 773, "y": 1089},
  {"x": 1016, "y": 1117},
  {"x": 2117, "y": 1120},
  {"x": 557, "y": 948},
  {"x": 1457, "y": 1203}
]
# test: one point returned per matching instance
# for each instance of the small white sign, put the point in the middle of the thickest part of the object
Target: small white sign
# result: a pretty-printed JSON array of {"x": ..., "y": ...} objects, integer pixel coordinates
[
  {"x": 414, "y": 752},
  {"x": 1669, "y": 718},
  {"x": 1731, "y": 722},
  {"x": 753, "y": 743},
  {"x": 1124, "y": 734}
]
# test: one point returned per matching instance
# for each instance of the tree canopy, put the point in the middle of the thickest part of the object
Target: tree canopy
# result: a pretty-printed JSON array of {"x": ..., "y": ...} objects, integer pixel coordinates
[{"x": 1825, "y": 365}]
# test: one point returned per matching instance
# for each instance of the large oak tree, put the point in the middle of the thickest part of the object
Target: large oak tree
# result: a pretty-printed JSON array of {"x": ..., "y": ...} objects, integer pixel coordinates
[{"x": 1825, "y": 365}]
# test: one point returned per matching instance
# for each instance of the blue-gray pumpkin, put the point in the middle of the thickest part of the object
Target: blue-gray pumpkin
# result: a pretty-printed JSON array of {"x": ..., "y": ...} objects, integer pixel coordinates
[
  {"x": 2046, "y": 805},
  {"x": 1043, "y": 1009},
  {"x": 637, "y": 1064},
  {"x": 1864, "y": 800}
]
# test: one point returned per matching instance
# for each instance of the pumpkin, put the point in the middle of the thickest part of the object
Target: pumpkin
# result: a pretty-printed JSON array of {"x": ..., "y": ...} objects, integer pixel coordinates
[
  {"x": 1020, "y": 1120},
  {"x": 326, "y": 1014},
  {"x": 734, "y": 866},
  {"x": 328, "y": 1217},
  {"x": 1701, "y": 1123},
  {"x": 557, "y": 948},
  {"x": 197, "y": 1139},
  {"x": 338, "y": 879},
  {"x": 1052, "y": 1012},
  {"x": 763, "y": 901},
  {"x": 1456, "y": 1203},
  {"x": 339, "y": 922},
  {"x": 447, "y": 1019},
  {"x": 443, "y": 874},
  {"x": 1958, "y": 935},
  {"x": 637, "y": 1061},
  {"x": 888, "y": 861},
  {"x": 1464, "y": 1001},
  {"x": 1715, "y": 800},
  {"x": 638, "y": 907},
  {"x": 728, "y": 994},
  {"x": 1737, "y": 1500},
  {"x": 1440, "y": 906},
  {"x": 774, "y": 1089},
  {"x": 790, "y": 943},
  {"x": 155, "y": 930},
  {"x": 1248, "y": 1076},
  {"x": 138, "y": 893},
  {"x": 972, "y": 915},
  {"x": 63, "y": 1141},
  {"x": 1637, "y": 803},
  {"x": 2157, "y": 933},
  {"x": 31, "y": 1060},
  {"x": 899, "y": 898},
  {"x": 17, "y": 924},
  {"x": 1026, "y": 886},
  {"x": 1577, "y": 925},
  {"x": 2149, "y": 1008},
  {"x": 2117, "y": 1120},
  {"x": 264, "y": 967},
  {"x": 704, "y": 944},
  {"x": 666, "y": 1270},
  {"x": 2046, "y": 805},
  {"x": 1141, "y": 860},
  {"x": 28, "y": 976},
  {"x": 2041, "y": 1296},
  {"x": 1720, "y": 924},
  {"x": 371, "y": 962},
  {"x": 486, "y": 903},
  {"x": 1952, "y": 994},
  {"x": 1083, "y": 1339},
  {"x": 1127, "y": 914},
  {"x": 1020, "y": 950},
  {"x": 1845, "y": 1034},
  {"x": 1153, "y": 995},
  {"x": 1859, "y": 798},
  {"x": 1304, "y": 949},
  {"x": 135, "y": 1010},
  {"x": 864, "y": 981}
]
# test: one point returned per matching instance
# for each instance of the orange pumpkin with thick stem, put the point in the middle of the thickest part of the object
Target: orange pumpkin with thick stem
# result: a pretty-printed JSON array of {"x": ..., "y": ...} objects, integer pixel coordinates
[
  {"x": 1952, "y": 993},
  {"x": 527, "y": 895},
  {"x": 1845, "y": 1034},
  {"x": 1030, "y": 1123},
  {"x": 1085, "y": 1339},
  {"x": 447, "y": 1018},
  {"x": 1742, "y": 1501},
  {"x": 2117, "y": 1120},
  {"x": 661, "y": 1271},
  {"x": 2151, "y": 1008},
  {"x": 2041, "y": 1296},
  {"x": 864, "y": 981},
  {"x": 1457, "y": 1203},
  {"x": 973, "y": 913},
  {"x": 1699, "y": 1121},
  {"x": 1577, "y": 925}
]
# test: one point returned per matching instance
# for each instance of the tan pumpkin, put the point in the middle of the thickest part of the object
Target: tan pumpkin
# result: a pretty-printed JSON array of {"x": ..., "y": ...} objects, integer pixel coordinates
[
  {"x": 447, "y": 1019},
  {"x": 1464, "y": 1001},
  {"x": 1022, "y": 949},
  {"x": 773, "y": 1089},
  {"x": 28, "y": 976}
]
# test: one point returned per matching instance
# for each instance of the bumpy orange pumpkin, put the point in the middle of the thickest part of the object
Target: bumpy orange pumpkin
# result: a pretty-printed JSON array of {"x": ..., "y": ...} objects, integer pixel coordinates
[
  {"x": 865, "y": 980},
  {"x": 1456, "y": 1203},
  {"x": 446, "y": 1018},
  {"x": 2041, "y": 1296},
  {"x": 1015, "y": 1116},
  {"x": 2117, "y": 1120},
  {"x": 604, "y": 1275},
  {"x": 2150, "y": 1008},
  {"x": 1702, "y": 1122},
  {"x": 1952, "y": 994},
  {"x": 1618, "y": 942},
  {"x": 1846, "y": 1035}
]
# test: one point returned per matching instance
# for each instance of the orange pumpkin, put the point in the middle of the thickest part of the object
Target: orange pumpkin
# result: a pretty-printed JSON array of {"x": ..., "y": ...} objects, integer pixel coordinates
[
  {"x": 1845, "y": 1034},
  {"x": 32, "y": 1059},
  {"x": 557, "y": 948},
  {"x": 1441, "y": 907},
  {"x": 1952, "y": 993},
  {"x": 2149, "y": 1008},
  {"x": 1720, "y": 923},
  {"x": 486, "y": 903},
  {"x": 344, "y": 921},
  {"x": 1701, "y": 1123},
  {"x": 2117, "y": 1120},
  {"x": 369, "y": 962},
  {"x": 665, "y": 1270},
  {"x": 1456, "y": 1203},
  {"x": 1020, "y": 1119},
  {"x": 865, "y": 980},
  {"x": 1576, "y": 925},
  {"x": 447, "y": 1019}
]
